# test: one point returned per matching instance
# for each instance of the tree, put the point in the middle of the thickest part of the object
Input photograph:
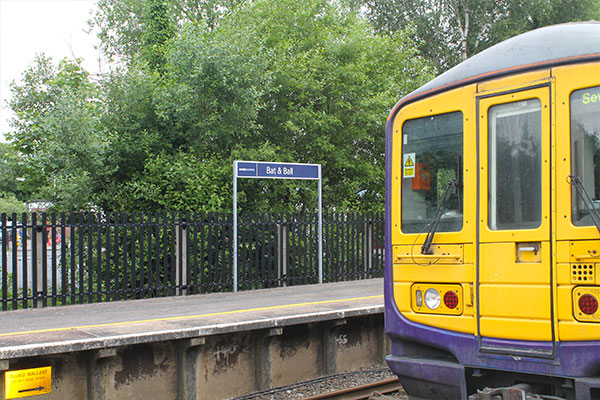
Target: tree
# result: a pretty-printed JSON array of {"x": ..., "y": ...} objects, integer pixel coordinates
[
  {"x": 122, "y": 24},
  {"x": 449, "y": 31},
  {"x": 273, "y": 80},
  {"x": 9, "y": 204},
  {"x": 278, "y": 81},
  {"x": 57, "y": 133},
  {"x": 158, "y": 30},
  {"x": 333, "y": 82},
  {"x": 12, "y": 192},
  {"x": 185, "y": 122},
  {"x": 8, "y": 166},
  {"x": 120, "y": 27}
]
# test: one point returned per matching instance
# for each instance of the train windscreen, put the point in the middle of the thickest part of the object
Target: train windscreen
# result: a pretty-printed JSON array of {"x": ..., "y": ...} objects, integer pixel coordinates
[
  {"x": 432, "y": 154},
  {"x": 585, "y": 150}
]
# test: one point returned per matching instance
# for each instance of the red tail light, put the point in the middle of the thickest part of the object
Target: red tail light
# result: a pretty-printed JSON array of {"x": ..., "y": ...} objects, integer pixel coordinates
[
  {"x": 588, "y": 304},
  {"x": 450, "y": 299}
]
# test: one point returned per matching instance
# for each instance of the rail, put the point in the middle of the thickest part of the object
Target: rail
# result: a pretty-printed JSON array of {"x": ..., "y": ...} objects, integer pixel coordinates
[{"x": 361, "y": 392}]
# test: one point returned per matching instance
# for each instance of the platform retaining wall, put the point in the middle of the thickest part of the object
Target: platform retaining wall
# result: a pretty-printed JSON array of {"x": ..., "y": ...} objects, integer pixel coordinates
[{"x": 216, "y": 366}]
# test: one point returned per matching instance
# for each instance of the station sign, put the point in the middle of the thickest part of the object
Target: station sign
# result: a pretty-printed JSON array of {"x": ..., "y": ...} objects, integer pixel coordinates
[
  {"x": 274, "y": 170},
  {"x": 27, "y": 382}
]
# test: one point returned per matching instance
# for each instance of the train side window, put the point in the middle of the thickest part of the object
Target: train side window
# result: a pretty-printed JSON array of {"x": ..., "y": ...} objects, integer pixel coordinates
[
  {"x": 432, "y": 155},
  {"x": 585, "y": 150},
  {"x": 515, "y": 165}
]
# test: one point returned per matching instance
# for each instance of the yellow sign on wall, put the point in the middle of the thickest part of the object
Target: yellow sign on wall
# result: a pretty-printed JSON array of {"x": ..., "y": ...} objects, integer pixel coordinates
[{"x": 27, "y": 382}]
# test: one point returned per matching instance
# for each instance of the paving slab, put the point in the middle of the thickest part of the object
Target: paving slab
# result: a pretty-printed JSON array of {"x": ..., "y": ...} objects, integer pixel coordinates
[{"x": 54, "y": 330}]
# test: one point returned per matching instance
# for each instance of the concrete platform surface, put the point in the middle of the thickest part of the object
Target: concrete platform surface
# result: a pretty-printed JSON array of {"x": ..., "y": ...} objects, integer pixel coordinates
[{"x": 52, "y": 330}]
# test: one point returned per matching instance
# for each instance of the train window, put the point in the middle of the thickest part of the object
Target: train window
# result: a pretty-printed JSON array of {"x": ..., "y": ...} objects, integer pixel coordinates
[
  {"x": 585, "y": 150},
  {"x": 432, "y": 153},
  {"x": 515, "y": 165}
]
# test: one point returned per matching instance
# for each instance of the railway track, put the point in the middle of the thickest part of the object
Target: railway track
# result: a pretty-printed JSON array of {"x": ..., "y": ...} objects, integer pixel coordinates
[
  {"x": 362, "y": 391},
  {"x": 359, "y": 384}
]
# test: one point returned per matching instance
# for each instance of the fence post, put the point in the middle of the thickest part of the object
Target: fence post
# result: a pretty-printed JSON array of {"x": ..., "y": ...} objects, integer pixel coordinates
[
  {"x": 181, "y": 266},
  {"x": 282, "y": 253},
  {"x": 368, "y": 248},
  {"x": 4, "y": 261},
  {"x": 39, "y": 264}
]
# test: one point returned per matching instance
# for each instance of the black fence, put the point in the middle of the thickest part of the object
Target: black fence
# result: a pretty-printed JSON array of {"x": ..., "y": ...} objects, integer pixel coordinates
[{"x": 74, "y": 258}]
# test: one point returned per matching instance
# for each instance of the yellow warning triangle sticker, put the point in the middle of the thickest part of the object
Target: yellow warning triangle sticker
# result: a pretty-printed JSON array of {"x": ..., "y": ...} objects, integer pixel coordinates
[{"x": 409, "y": 162}]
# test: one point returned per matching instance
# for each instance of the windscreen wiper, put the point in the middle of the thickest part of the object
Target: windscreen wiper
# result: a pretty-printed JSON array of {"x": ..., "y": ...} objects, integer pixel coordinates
[
  {"x": 587, "y": 200},
  {"x": 426, "y": 248}
]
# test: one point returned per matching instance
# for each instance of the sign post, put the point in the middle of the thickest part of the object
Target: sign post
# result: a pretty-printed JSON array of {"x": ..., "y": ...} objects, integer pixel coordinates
[{"x": 274, "y": 170}]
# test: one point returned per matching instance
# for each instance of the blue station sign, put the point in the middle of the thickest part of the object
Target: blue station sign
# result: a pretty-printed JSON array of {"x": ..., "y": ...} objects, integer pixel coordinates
[
  {"x": 274, "y": 170},
  {"x": 258, "y": 169}
]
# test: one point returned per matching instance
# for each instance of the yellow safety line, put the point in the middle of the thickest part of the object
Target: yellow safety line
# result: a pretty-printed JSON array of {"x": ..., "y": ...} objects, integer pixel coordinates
[{"x": 190, "y": 316}]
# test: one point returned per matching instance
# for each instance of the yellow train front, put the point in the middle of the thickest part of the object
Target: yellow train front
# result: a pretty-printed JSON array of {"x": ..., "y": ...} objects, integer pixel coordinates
[{"x": 493, "y": 222}]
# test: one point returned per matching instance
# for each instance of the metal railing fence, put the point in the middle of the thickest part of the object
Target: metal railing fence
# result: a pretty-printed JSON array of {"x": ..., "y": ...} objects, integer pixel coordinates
[{"x": 73, "y": 258}]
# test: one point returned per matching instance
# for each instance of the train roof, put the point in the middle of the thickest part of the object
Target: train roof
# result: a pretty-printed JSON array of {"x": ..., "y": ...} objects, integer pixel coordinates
[{"x": 540, "y": 48}]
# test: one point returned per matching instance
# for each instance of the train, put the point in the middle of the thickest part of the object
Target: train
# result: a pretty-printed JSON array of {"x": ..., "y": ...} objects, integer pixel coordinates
[{"x": 492, "y": 253}]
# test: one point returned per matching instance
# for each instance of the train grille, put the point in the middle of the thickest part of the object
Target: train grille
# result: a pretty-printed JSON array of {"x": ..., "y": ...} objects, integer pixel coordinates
[{"x": 583, "y": 273}]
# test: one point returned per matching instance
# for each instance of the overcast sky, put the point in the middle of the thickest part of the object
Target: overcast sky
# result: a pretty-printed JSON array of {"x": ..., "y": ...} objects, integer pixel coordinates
[{"x": 53, "y": 27}]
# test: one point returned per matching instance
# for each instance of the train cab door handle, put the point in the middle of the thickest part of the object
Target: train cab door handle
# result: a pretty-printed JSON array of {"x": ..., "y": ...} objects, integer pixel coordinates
[
  {"x": 535, "y": 248},
  {"x": 532, "y": 248}
]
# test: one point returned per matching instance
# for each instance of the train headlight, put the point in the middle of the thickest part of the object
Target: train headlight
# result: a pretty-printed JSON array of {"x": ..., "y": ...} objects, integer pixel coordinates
[
  {"x": 432, "y": 299},
  {"x": 437, "y": 298}
]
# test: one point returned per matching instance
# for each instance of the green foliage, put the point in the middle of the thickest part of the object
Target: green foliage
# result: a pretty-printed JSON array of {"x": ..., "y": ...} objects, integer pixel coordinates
[
  {"x": 204, "y": 83},
  {"x": 449, "y": 31},
  {"x": 57, "y": 132},
  {"x": 158, "y": 30},
  {"x": 10, "y": 204},
  {"x": 10, "y": 184},
  {"x": 120, "y": 28},
  {"x": 122, "y": 24},
  {"x": 182, "y": 182},
  {"x": 273, "y": 80},
  {"x": 533, "y": 14},
  {"x": 333, "y": 81},
  {"x": 216, "y": 84},
  {"x": 277, "y": 81}
]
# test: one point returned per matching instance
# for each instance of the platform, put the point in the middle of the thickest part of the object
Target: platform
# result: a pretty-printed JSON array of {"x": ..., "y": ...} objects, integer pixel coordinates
[{"x": 45, "y": 331}]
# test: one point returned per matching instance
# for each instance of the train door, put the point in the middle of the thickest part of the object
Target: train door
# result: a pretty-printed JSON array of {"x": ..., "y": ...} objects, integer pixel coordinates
[{"x": 514, "y": 280}]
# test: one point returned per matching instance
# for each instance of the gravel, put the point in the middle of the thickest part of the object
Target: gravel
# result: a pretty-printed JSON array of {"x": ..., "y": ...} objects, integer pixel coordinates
[{"x": 330, "y": 383}]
